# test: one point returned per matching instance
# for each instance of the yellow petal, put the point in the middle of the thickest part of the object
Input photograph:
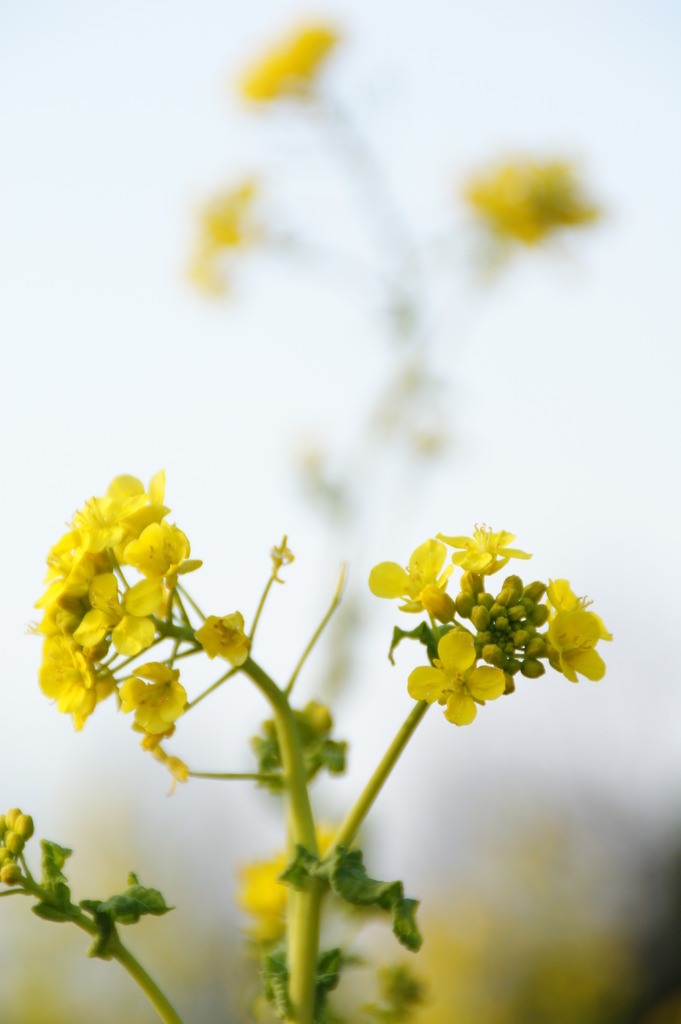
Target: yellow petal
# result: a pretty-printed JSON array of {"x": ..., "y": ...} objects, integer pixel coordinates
[
  {"x": 132, "y": 635},
  {"x": 426, "y": 683},
  {"x": 456, "y": 651},
  {"x": 588, "y": 663},
  {"x": 461, "y": 709},
  {"x": 427, "y": 560},
  {"x": 486, "y": 683},
  {"x": 144, "y": 598},
  {"x": 388, "y": 579}
]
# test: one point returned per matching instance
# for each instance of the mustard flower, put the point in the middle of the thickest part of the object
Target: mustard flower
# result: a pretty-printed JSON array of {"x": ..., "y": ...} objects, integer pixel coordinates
[
  {"x": 455, "y": 680},
  {"x": 225, "y": 637},
  {"x": 485, "y": 552},
  {"x": 124, "y": 511},
  {"x": 525, "y": 201},
  {"x": 161, "y": 551},
  {"x": 68, "y": 677},
  {"x": 126, "y": 620},
  {"x": 289, "y": 68},
  {"x": 226, "y": 222},
  {"x": 573, "y": 634},
  {"x": 156, "y": 703},
  {"x": 421, "y": 585}
]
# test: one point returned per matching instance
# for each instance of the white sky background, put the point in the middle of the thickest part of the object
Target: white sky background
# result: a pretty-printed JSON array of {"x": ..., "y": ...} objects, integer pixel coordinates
[{"x": 117, "y": 121}]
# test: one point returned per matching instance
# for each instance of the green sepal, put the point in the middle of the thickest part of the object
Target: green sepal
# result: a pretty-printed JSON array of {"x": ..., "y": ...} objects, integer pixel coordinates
[
  {"x": 53, "y": 879},
  {"x": 275, "y": 982},
  {"x": 424, "y": 634}
]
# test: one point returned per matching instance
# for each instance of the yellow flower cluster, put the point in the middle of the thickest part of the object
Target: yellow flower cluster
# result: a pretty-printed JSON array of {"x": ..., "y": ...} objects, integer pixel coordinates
[
  {"x": 525, "y": 201},
  {"x": 502, "y": 631},
  {"x": 89, "y": 606},
  {"x": 289, "y": 68},
  {"x": 226, "y": 222}
]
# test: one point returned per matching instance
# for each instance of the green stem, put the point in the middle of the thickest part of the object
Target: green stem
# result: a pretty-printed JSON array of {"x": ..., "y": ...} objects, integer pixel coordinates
[
  {"x": 348, "y": 830},
  {"x": 303, "y": 905},
  {"x": 191, "y": 600},
  {"x": 261, "y": 605},
  {"x": 118, "y": 951},
  {"x": 315, "y": 637},
  {"x": 218, "y": 682}
]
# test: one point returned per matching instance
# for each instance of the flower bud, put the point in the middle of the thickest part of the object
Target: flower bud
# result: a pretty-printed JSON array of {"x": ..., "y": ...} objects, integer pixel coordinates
[
  {"x": 502, "y": 624},
  {"x": 465, "y": 603},
  {"x": 497, "y": 609},
  {"x": 3, "y": 826},
  {"x": 512, "y": 666},
  {"x": 540, "y": 615},
  {"x": 14, "y": 843},
  {"x": 521, "y": 638},
  {"x": 10, "y": 873},
  {"x": 318, "y": 717},
  {"x": 480, "y": 617},
  {"x": 437, "y": 603},
  {"x": 511, "y": 591},
  {"x": 536, "y": 647},
  {"x": 492, "y": 654},
  {"x": 510, "y": 684},
  {"x": 23, "y": 826},
  {"x": 532, "y": 668},
  {"x": 472, "y": 583},
  {"x": 516, "y": 612},
  {"x": 535, "y": 591},
  {"x": 5, "y": 855},
  {"x": 11, "y": 817},
  {"x": 486, "y": 600}
]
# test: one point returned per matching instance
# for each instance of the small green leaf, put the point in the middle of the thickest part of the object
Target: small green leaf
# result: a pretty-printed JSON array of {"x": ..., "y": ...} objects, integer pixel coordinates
[
  {"x": 127, "y": 907},
  {"x": 422, "y": 633},
  {"x": 53, "y": 879},
  {"x": 106, "y": 932},
  {"x": 302, "y": 867},
  {"x": 347, "y": 876},
  {"x": 49, "y": 913},
  {"x": 275, "y": 981},
  {"x": 328, "y": 974},
  {"x": 332, "y": 756}
]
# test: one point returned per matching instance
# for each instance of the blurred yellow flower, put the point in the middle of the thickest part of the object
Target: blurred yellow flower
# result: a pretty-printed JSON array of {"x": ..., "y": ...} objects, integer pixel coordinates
[
  {"x": 525, "y": 201},
  {"x": 226, "y": 222},
  {"x": 290, "y": 66},
  {"x": 225, "y": 637},
  {"x": 157, "y": 703},
  {"x": 455, "y": 680}
]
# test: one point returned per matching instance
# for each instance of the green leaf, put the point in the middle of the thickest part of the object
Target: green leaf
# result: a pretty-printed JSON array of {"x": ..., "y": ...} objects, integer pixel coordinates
[
  {"x": 303, "y": 867},
  {"x": 328, "y": 974},
  {"x": 275, "y": 981},
  {"x": 332, "y": 756},
  {"x": 48, "y": 913},
  {"x": 422, "y": 633},
  {"x": 347, "y": 876},
  {"x": 127, "y": 907},
  {"x": 53, "y": 879}
]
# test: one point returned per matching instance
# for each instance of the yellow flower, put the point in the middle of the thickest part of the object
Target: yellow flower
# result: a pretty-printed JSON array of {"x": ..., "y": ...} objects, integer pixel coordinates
[
  {"x": 420, "y": 585},
  {"x": 161, "y": 551},
  {"x": 573, "y": 634},
  {"x": 68, "y": 677},
  {"x": 225, "y": 637},
  {"x": 290, "y": 67},
  {"x": 226, "y": 222},
  {"x": 131, "y": 631},
  {"x": 158, "y": 703},
  {"x": 485, "y": 552},
  {"x": 455, "y": 680},
  {"x": 124, "y": 511},
  {"x": 525, "y": 201}
]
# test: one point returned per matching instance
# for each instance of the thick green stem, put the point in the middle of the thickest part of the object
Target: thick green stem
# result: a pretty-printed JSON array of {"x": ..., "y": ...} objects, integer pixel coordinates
[
  {"x": 303, "y": 905},
  {"x": 348, "y": 830}
]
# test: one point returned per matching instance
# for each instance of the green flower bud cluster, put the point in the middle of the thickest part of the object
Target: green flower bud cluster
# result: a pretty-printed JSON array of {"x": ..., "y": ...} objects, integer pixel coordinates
[
  {"x": 506, "y": 625},
  {"x": 15, "y": 831}
]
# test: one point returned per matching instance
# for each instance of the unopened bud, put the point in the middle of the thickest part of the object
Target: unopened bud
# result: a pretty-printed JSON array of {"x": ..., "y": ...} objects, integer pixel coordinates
[
  {"x": 3, "y": 826},
  {"x": 516, "y": 612},
  {"x": 437, "y": 603},
  {"x": 5, "y": 855},
  {"x": 536, "y": 647},
  {"x": 492, "y": 654},
  {"x": 465, "y": 603},
  {"x": 521, "y": 638},
  {"x": 318, "y": 717},
  {"x": 14, "y": 843},
  {"x": 511, "y": 591},
  {"x": 23, "y": 826},
  {"x": 540, "y": 615},
  {"x": 486, "y": 600},
  {"x": 472, "y": 583},
  {"x": 11, "y": 817},
  {"x": 480, "y": 617},
  {"x": 532, "y": 668},
  {"x": 535, "y": 591},
  {"x": 510, "y": 684},
  {"x": 10, "y": 873},
  {"x": 502, "y": 624}
]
